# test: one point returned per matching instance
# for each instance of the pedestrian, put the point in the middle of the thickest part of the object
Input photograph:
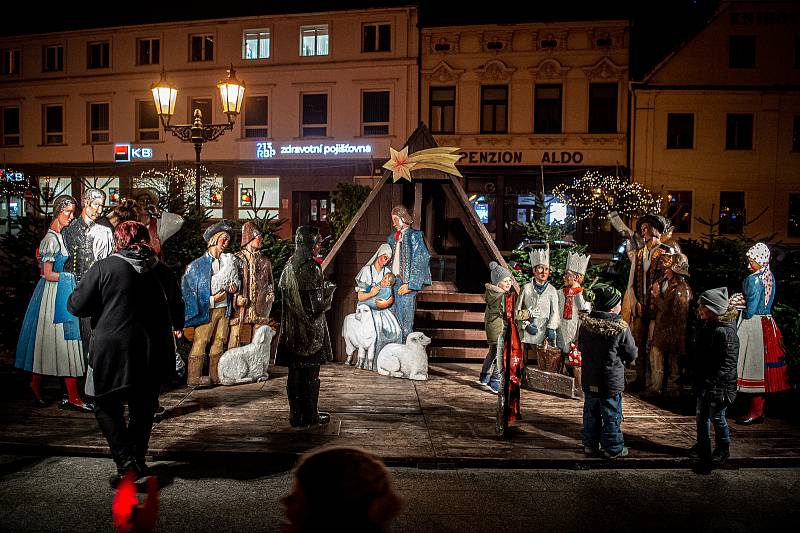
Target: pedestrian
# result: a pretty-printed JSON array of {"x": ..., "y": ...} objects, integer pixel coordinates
[
  {"x": 50, "y": 341},
  {"x": 494, "y": 323},
  {"x": 762, "y": 367},
  {"x": 340, "y": 486},
  {"x": 717, "y": 351},
  {"x": 606, "y": 345},
  {"x": 135, "y": 306}
]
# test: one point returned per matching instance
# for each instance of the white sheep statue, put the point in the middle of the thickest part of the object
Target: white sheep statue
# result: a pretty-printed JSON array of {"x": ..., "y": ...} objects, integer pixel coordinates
[
  {"x": 248, "y": 363},
  {"x": 359, "y": 334},
  {"x": 407, "y": 360},
  {"x": 228, "y": 274}
]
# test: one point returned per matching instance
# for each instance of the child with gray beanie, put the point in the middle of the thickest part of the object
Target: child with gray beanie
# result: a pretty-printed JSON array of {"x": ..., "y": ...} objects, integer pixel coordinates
[
  {"x": 717, "y": 355},
  {"x": 494, "y": 323}
]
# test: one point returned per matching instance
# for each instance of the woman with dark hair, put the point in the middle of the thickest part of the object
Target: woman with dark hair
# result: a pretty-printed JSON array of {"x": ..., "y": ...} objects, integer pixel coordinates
[
  {"x": 340, "y": 485},
  {"x": 135, "y": 306},
  {"x": 50, "y": 341}
]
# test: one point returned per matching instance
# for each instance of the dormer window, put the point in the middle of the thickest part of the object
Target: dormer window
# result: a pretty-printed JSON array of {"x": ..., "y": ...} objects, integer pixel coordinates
[
  {"x": 442, "y": 47},
  {"x": 548, "y": 44},
  {"x": 494, "y": 45},
  {"x": 603, "y": 42}
]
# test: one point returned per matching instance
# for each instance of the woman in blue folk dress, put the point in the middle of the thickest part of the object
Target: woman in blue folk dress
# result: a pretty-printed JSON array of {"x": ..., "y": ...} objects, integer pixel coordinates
[{"x": 50, "y": 342}]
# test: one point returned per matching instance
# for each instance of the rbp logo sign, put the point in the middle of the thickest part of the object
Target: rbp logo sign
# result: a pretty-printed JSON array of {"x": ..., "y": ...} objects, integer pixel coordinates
[{"x": 124, "y": 153}]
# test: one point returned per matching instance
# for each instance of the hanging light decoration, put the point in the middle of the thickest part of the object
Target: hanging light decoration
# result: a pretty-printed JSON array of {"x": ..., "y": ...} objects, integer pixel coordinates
[{"x": 595, "y": 194}]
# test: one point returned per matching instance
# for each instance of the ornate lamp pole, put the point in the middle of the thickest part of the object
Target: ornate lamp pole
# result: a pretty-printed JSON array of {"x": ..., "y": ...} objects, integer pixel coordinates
[{"x": 231, "y": 92}]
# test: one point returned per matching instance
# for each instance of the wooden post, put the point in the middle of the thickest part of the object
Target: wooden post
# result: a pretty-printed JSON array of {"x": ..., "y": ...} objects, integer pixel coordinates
[{"x": 417, "y": 205}]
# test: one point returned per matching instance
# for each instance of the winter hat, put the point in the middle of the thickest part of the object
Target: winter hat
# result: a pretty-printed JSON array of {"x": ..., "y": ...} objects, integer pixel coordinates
[
  {"x": 606, "y": 297},
  {"x": 715, "y": 299},
  {"x": 249, "y": 232},
  {"x": 223, "y": 226},
  {"x": 498, "y": 273}
]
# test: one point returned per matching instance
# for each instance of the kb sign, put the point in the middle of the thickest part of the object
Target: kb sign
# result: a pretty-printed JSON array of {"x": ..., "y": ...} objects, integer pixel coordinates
[{"x": 124, "y": 153}]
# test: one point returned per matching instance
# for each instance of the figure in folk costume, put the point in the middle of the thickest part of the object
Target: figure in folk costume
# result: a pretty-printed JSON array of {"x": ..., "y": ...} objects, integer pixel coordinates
[
  {"x": 671, "y": 298},
  {"x": 510, "y": 361},
  {"x": 411, "y": 265},
  {"x": 253, "y": 302},
  {"x": 494, "y": 323},
  {"x": 208, "y": 286},
  {"x": 160, "y": 224},
  {"x": 87, "y": 241},
  {"x": 571, "y": 304},
  {"x": 304, "y": 342},
  {"x": 375, "y": 288},
  {"x": 762, "y": 362},
  {"x": 50, "y": 341},
  {"x": 647, "y": 269},
  {"x": 537, "y": 308}
]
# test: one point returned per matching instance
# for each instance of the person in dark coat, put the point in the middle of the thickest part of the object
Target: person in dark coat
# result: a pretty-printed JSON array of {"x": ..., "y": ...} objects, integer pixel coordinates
[
  {"x": 304, "y": 342},
  {"x": 717, "y": 354},
  {"x": 606, "y": 345},
  {"x": 135, "y": 306}
]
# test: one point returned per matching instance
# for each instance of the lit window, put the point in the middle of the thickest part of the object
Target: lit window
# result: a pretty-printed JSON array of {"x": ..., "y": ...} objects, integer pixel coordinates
[
  {"x": 258, "y": 195},
  {"x": 11, "y": 61},
  {"x": 255, "y": 117},
  {"x": 731, "y": 212},
  {"x": 315, "y": 115},
  {"x": 53, "y": 124},
  {"x": 794, "y": 215},
  {"x": 10, "y": 126},
  {"x": 98, "y": 123},
  {"x": 376, "y": 38},
  {"x": 314, "y": 40},
  {"x": 53, "y": 58},
  {"x": 147, "y": 120},
  {"x": 50, "y": 188},
  {"x": 201, "y": 47},
  {"x": 148, "y": 52},
  {"x": 98, "y": 55},
  {"x": 679, "y": 210},
  {"x": 375, "y": 113},
  {"x": 255, "y": 44}
]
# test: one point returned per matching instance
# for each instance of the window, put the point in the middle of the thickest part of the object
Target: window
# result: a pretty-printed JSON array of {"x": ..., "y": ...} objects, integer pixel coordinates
[
  {"x": 53, "y": 58},
  {"x": 443, "y": 110},
  {"x": 797, "y": 51},
  {"x": 796, "y": 134},
  {"x": 205, "y": 107},
  {"x": 680, "y": 130},
  {"x": 255, "y": 117},
  {"x": 739, "y": 131},
  {"x": 376, "y": 38},
  {"x": 53, "y": 124},
  {"x": 494, "y": 109},
  {"x": 314, "y": 40},
  {"x": 50, "y": 188},
  {"x": 98, "y": 123},
  {"x": 547, "y": 109},
  {"x": 794, "y": 216},
  {"x": 731, "y": 212},
  {"x": 212, "y": 195},
  {"x": 98, "y": 55},
  {"x": 147, "y": 121},
  {"x": 255, "y": 44},
  {"x": 315, "y": 115},
  {"x": 375, "y": 113},
  {"x": 603, "y": 108},
  {"x": 742, "y": 51},
  {"x": 201, "y": 47},
  {"x": 148, "y": 52},
  {"x": 11, "y": 61},
  {"x": 10, "y": 126},
  {"x": 679, "y": 210},
  {"x": 258, "y": 194}
]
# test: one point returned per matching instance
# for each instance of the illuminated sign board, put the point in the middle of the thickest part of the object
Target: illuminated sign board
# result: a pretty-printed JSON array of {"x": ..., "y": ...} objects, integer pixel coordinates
[
  {"x": 267, "y": 150},
  {"x": 12, "y": 175},
  {"x": 124, "y": 153}
]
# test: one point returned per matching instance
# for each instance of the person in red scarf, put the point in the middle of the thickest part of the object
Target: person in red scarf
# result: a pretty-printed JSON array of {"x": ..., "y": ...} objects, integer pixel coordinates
[
  {"x": 509, "y": 350},
  {"x": 571, "y": 304}
]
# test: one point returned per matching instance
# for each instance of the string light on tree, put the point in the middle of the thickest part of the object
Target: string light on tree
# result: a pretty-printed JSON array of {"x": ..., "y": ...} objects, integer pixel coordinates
[{"x": 595, "y": 195}]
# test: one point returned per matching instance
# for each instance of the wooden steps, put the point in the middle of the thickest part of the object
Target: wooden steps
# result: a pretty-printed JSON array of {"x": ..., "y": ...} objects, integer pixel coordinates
[{"x": 454, "y": 321}]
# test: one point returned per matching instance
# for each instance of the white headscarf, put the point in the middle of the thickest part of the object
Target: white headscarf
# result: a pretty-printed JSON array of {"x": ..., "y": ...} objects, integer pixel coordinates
[
  {"x": 760, "y": 254},
  {"x": 383, "y": 249}
]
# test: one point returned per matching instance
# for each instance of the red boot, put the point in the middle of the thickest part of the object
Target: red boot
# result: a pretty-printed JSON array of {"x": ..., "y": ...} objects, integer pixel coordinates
[
  {"x": 755, "y": 415},
  {"x": 74, "y": 402}
]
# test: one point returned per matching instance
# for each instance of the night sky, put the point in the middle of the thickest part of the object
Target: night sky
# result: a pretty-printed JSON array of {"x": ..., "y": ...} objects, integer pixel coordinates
[{"x": 656, "y": 25}]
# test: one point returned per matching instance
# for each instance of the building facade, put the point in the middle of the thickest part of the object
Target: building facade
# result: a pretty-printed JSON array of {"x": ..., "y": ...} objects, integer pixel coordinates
[
  {"x": 531, "y": 106},
  {"x": 326, "y": 95},
  {"x": 716, "y": 125}
]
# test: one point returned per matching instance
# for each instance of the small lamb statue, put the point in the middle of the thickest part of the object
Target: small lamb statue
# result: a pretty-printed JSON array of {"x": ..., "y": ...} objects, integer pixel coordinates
[
  {"x": 248, "y": 363},
  {"x": 359, "y": 333},
  {"x": 407, "y": 360}
]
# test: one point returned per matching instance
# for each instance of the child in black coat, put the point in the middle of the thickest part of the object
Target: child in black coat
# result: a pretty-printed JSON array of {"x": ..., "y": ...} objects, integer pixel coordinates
[{"x": 717, "y": 349}]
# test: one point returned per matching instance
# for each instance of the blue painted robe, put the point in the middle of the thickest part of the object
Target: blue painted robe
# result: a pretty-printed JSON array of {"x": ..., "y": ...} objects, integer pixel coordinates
[
  {"x": 415, "y": 270},
  {"x": 196, "y": 289}
]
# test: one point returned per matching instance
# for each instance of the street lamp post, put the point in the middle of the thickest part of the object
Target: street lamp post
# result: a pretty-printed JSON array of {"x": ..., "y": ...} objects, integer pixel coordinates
[{"x": 231, "y": 92}]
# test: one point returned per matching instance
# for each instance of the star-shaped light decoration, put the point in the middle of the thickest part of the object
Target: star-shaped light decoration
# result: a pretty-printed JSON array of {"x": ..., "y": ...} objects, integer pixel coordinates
[{"x": 442, "y": 158}]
